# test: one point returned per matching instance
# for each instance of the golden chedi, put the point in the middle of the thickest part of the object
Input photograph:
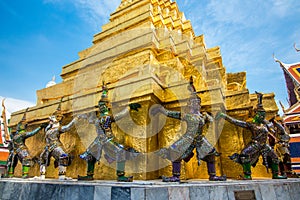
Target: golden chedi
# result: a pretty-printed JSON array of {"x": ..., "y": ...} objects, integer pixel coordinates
[{"x": 146, "y": 54}]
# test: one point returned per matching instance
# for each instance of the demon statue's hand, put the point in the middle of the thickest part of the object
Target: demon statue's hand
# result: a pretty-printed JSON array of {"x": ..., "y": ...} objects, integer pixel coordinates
[
  {"x": 82, "y": 116},
  {"x": 220, "y": 115},
  {"x": 135, "y": 106},
  {"x": 43, "y": 125}
]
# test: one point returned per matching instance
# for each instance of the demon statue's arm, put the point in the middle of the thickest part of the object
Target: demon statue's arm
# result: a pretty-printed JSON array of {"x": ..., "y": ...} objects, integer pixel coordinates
[
  {"x": 35, "y": 131},
  {"x": 67, "y": 127},
  {"x": 232, "y": 120},
  {"x": 283, "y": 135},
  {"x": 168, "y": 113},
  {"x": 125, "y": 112}
]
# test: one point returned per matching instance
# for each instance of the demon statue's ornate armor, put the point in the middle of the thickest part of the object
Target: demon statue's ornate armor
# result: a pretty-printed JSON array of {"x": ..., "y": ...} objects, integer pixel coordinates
[
  {"x": 183, "y": 148},
  {"x": 18, "y": 150},
  {"x": 113, "y": 151},
  {"x": 279, "y": 141},
  {"x": 258, "y": 146},
  {"x": 54, "y": 148}
]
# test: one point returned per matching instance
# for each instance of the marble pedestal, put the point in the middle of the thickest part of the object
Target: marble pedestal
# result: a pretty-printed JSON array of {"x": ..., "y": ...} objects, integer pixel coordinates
[{"x": 260, "y": 189}]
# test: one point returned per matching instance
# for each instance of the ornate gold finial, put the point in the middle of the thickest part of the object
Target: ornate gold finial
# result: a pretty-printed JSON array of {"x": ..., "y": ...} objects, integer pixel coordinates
[
  {"x": 3, "y": 116},
  {"x": 192, "y": 89},
  {"x": 276, "y": 60},
  {"x": 3, "y": 106},
  {"x": 191, "y": 86},
  {"x": 22, "y": 124},
  {"x": 104, "y": 95},
  {"x": 259, "y": 106},
  {"x": 282, "y": 106},
  {"x": 58, "y": 112},
  {"x": 24, "y": 115},
  {"x": 296, "y": 47}
]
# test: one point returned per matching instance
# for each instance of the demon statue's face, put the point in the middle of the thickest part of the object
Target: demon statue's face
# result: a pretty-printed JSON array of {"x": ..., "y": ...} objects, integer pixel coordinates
[
  {"x": 259, "y": 117},
  {"x": 21, "y": 127},
  {"x": 103, "y": 108},
  {"x": 194, "y": 105},
  {"x": 54, "y": 122}
]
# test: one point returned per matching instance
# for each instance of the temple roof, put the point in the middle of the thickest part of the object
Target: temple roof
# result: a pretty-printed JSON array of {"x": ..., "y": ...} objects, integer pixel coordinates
[
  {"x": 292, "y": 79},
  {"x": 293, "y": 71},
  {"x": 1, "y": 139},
  {"x": 292, "y": 114}
]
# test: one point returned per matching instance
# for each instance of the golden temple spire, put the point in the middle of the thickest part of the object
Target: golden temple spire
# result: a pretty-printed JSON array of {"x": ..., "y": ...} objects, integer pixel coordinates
[
  {"x": 296, "y": 47},
  {"x": 133, "y": 14},
  {"x": 276, "y": 60}
]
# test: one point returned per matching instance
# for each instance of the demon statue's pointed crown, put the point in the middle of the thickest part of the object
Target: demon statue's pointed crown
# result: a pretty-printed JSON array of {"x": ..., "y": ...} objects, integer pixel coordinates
[{"x": 194, "y": 98}]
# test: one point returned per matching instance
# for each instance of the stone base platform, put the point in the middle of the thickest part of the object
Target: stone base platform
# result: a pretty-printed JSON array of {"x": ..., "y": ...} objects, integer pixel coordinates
[{"x": 260, "y": 189}]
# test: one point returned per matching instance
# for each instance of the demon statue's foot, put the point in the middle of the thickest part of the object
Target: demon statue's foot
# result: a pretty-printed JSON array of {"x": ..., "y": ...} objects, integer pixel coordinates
[
  {"x": 85, "y": 178},
  {"x": 125, "y": 178},
  {"x": 25, "y": 176},
  {"x": 217, "y": 178},
  {"x": 170, "y": 179},
  {"x": 275, "y": 172},
  {"x": 244, "y": 177},
  {"x": 276, "y": 176},
  {"x": 64, "y": 178},
  {"x": 41, "y": 177},
  {"x": 9, "y": 175}
]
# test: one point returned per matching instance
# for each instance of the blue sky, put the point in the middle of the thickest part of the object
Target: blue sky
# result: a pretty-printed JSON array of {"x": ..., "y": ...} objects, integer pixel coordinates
[{"x": 39, "y": 37}]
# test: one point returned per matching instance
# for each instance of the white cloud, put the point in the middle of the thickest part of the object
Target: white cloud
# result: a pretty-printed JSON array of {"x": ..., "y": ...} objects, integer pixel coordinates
[
  {"x": 282, "y": 8},
  {"x": 244, "y": 30},
  {"x": 13, "y": 105},
  {"x": 248, "y": 33}
]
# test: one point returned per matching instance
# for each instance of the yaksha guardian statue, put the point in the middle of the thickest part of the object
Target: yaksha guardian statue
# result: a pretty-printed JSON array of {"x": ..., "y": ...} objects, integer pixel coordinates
[
  {"x": 279, "y": 141},
  {"x": 54, "y": 147},
  {"x": 18, "y": 149},
  {"x": 105, "y": 141},
  {"x": 193, "y": 138},
  {"x": 258, "y": 145}
]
